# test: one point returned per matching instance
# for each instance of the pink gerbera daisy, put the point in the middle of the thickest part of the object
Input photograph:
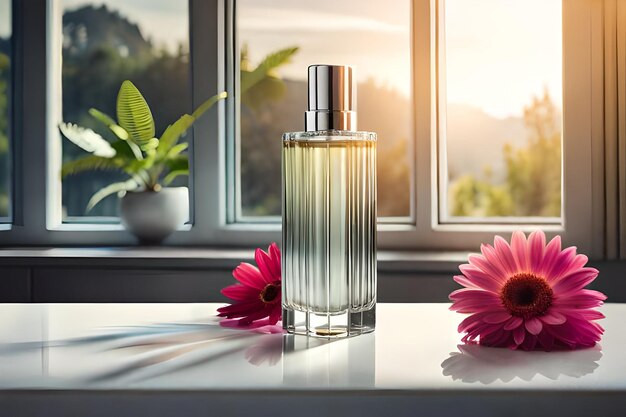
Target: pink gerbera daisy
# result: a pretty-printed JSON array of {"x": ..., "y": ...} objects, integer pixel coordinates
[
  {"x": 528, "y": 295},
  {"x": 258, "y": 293}
]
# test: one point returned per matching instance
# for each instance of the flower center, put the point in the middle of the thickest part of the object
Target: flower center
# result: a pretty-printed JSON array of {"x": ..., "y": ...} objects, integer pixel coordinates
[
  {"x": 526, "y": 295},
  {"x": 270, "y": 292}
]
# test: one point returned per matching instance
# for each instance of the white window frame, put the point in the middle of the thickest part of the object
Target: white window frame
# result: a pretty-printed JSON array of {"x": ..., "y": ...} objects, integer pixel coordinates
[{"x": 214, "y": 193}]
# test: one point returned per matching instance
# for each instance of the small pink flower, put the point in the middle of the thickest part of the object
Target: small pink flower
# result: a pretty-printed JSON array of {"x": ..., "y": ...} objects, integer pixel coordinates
[
  {"x": 258, "y": 293},
  {"x": 528, "y": 295}
]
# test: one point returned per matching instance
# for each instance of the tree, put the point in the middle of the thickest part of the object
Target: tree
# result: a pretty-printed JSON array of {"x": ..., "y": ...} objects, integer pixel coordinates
[{"x": 532, "y": 184}]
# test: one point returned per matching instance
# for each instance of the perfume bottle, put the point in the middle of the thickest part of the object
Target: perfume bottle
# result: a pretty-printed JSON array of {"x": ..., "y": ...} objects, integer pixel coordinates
[{"x": 329, "y": 213}]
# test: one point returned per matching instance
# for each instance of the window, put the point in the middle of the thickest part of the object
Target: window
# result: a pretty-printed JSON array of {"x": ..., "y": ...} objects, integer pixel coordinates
[
  {"x": 500, "y": 92},
  {"x": 6, "y": 54},
  {"x": 375, "y": 40},
  {"x": 105, "y": 43},
  {"x": 444, "y": 83}
]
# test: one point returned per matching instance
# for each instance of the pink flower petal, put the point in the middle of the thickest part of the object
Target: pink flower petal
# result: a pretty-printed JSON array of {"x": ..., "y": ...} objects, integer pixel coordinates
[
  {"x": 561, "y": 264},
  {"x": 505, "y": 254},
  {"x": 275, "y": 255},
  {"x": 472, "y": 301},
  {"x": 575, "y": 281},
  {"x": 546, "y": 340},
  {"x": 490, "y": 254},
  {"x": 518, "y": 335},
  {"x": 253, "y": 316},
  {"x": 249, "y": 275},
  {"x": 495, "y": 318},
  {"x": 513, "y": 323},
  {"x": 536, "y": 244},
  {"x": 275, "y": 314},
  {"x": 553, "y": 317},
  {"x": 533, "y": 326},
  {"x": 464, "y": 281},
  {"x": 488, "y": 268},
  {"x": 520, "y": 251},
  {"x": 589, "y": 314},
  {"x": 552, "y": 251},
  {"x": 473, "y": 320},
  {"x": 580, "y": 300},
  {"x": 240, "y": 292},
  {"x": 481, "y": 279},
  {"x": 240, "y": 309},
  {"x": 266, "y": 266}
]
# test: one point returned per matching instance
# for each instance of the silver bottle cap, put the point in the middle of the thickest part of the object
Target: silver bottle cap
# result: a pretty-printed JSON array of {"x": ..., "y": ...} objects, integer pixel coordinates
[{"x": 332, "y": 98}]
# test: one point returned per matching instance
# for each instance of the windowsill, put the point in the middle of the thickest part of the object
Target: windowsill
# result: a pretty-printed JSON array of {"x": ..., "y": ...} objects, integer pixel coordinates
[{"x": 194, "y": 257}]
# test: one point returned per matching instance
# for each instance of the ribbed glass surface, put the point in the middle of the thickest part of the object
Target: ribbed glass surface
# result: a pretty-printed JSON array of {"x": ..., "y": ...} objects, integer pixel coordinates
[{"x": 329, "y": 221}]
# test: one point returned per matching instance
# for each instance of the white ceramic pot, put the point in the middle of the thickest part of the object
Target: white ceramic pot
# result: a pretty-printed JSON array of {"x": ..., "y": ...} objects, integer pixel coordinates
[{"x": 154, "y": 215}]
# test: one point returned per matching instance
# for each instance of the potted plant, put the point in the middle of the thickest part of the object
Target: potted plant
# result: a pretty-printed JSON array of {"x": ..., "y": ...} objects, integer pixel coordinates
[{"x": 148, "y": 207}]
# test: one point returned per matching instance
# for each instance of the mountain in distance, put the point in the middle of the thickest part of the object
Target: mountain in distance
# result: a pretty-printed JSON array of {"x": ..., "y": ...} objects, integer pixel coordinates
[
  {"x": 476, "y": 140},
  {"x": 89, "y": 27}
]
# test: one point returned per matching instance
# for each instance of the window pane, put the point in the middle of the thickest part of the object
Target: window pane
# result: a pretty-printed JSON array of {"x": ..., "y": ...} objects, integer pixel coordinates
[
  {"x": 374, "y": 39},
  {"x": 105, "y": 43},
  {"x": 503, "y": 89},
  {"x": 5, "y": 109}
]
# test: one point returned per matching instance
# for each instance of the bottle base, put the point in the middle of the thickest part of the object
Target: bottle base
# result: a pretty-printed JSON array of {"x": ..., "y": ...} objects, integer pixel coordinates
[{"x": 329, "y": 325}]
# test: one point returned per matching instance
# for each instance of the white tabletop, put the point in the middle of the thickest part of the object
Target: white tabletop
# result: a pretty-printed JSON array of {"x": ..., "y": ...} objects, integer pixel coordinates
[{"x": 140, "y": 356}]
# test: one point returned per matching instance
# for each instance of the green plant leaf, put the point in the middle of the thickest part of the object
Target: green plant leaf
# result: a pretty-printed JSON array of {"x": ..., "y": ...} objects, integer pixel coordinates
[
  {"x": 173, "y": 132},
  {"x": 269, "y": 88},
  {"x": 135, "y": 149},
  {"x": 116, "y": 187},
  {"x": 173, "y": 175},
  {"x": 176, "y": 150},
  {"x": 87, "y": 139},
  {"x": 123, "y": 150},
  {"x": 269, "y": 63},
  {"x": 108, "y": 121},
  {"x": 133, "y": 113},
  {"x": 102, "y": 117},
  {"x": 137, "y": 166},
  {"x": 178, "y": 163},
  {"x": 91, "y": 163},
  {"x": 151, "y": 145},
  {"x": 208, "y": 104}
]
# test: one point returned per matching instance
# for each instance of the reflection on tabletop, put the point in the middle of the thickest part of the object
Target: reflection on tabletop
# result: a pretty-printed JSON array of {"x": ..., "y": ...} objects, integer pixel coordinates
[
  {"x": 150, "y": 351},
  {"x": 475, "y": 363}
]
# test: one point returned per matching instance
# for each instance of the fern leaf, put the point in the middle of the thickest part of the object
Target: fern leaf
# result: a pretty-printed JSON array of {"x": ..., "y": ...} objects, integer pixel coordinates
[
  {"x": 87, "y": 139},
  {"x": 90, "y": 163},
  {"x": 133, "y": 113}
]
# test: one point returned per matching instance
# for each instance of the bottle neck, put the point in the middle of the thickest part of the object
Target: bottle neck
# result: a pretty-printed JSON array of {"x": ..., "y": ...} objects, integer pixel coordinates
[{"x": 315, "y": 120}]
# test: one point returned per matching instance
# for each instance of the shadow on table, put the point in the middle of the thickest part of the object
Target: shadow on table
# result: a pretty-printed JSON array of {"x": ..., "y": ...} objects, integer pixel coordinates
[
  {"x": 158, "y": 349},
  {"x": 475, "y": 363}
]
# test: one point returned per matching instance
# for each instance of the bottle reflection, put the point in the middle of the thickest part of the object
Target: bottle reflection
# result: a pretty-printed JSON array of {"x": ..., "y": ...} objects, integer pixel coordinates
[
  {"x": 475, "y": 363},
  {"x": 313, "y": 362}
]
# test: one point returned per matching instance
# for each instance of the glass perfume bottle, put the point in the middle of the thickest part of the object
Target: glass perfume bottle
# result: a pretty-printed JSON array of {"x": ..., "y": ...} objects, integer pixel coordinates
[{"x": 329, "y": 214}]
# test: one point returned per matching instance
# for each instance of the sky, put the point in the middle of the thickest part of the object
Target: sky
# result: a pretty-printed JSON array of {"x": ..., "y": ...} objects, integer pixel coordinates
[
  {"x": 498, "y": 52},
  {"x": 5, "y": 18}
]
